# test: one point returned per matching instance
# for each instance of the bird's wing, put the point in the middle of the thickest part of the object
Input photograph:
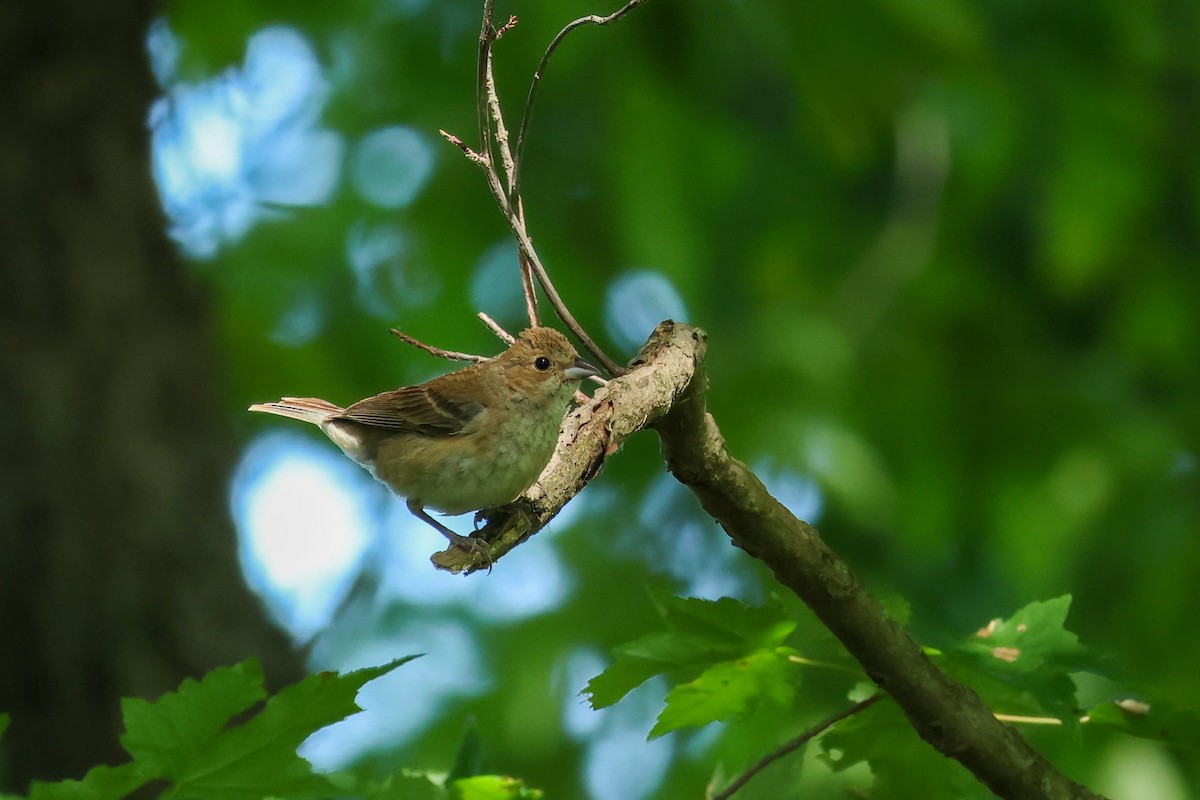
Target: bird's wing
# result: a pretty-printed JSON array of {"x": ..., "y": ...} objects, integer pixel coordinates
[{"x": 421, "y": 409}]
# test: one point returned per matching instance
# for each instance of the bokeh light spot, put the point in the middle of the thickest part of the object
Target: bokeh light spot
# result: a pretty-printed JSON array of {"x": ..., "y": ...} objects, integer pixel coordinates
[
  {"x": 620, "y": 763},
  {"x": 304, "y": 521},
  {"x": 392, "y": 165},
  {"x": 386, "y": 278},
  {"x": 496, "y": 284},
  {"x": 228, "y": 149},
  {"x": 534, "y": 579},
  {"x": 401, "y": 704},
  {"x": 636, "y": 302}
]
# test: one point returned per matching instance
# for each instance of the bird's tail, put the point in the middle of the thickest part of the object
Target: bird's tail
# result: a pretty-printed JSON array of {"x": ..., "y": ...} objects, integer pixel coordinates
[{"x": 305, "y": 409}]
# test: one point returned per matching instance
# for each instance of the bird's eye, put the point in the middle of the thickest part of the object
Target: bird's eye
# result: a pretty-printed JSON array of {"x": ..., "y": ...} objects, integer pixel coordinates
[{"x": 541, "y": 363}]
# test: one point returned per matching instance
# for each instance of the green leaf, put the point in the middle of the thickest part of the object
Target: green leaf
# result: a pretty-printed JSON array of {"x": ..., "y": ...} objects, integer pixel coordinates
[
  {"x": 164, "y": 734},
  {"x": 724, "y": 623},
  {"x": 100, "y": 783},
  {"x": 1158, "y": 721},
  {"x": 259, "y": 758},
  {"x": 727, "y": 689},
  {"x": 904, "y": 766},
  {"x": 4, "y": 720},
  {"x": 699, "y": 633},
  {"x": 468, "y": 761},
  {"x": 638, "y": 661},
  {"x": 1033, "y": 636},
  {"x": 1024, "y": 664},
  {"x": 403, "y": 785},
  {"x": 492, "y": 787}
]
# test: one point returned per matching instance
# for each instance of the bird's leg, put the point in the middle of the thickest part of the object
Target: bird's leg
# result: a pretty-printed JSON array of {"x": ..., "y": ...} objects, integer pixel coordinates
[{"x": 468, "y": 543}]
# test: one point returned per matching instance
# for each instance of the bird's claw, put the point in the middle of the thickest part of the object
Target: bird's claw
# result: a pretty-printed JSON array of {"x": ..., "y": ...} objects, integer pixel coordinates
[{"x": 477, "y": 546}]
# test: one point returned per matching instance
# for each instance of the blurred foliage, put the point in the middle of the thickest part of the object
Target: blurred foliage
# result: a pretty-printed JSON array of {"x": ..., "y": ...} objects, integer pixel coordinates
[
  {"x": 726, "y": 659},
  {"x": 947, "y": 257},
  {"x": 187, "y": 740}
]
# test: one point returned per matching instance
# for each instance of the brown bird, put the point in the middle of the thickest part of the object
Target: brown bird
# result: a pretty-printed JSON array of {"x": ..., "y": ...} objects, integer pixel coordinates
[{"x": 469, "y": 440}]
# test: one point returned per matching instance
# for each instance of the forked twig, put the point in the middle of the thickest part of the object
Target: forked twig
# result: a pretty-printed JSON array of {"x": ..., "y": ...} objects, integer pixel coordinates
[
  {"x": 494, "y": 146},
  {"x": 527, "y": 114}
]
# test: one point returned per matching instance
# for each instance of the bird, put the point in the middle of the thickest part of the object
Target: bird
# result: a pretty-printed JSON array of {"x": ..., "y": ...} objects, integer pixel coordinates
[{"x": 469, "y": 440}]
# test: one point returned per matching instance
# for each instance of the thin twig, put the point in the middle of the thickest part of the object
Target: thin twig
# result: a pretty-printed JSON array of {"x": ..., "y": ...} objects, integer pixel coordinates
[
  {"x": 1020, "y": 718},
  {"x": 450, "y": 355},
  {"x": 487, "y": 103},
  {"x": 500, "y": 136},
  {"x": 591, "y": 19},
  {"x": 500, "y": 145},
  {"x": 559, "y": 306},
  {"x": 527, "y": 286},
  {"x": 508, "y": 338},
  {"x": 487, "y": 35},
  {"x": 526, "y": 246},
  {"x": 539, "y": 271},
  {"x": 505, "y": 28},
  {"x": 495, "y": 328},
  {"x": 796, "y": 744},
  {"x": 461, "y": 145},
  {"x": 494, "y": 137}
]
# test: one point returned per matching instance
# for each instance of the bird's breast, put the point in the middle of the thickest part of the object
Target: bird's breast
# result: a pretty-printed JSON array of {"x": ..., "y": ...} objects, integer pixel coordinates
[{"x": 488, "y": 465}]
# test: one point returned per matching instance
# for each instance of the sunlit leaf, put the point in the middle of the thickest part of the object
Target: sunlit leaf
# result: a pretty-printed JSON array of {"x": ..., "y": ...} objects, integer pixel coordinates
[
  {"x": 726, "y": 689},
  {"x": 405, "y": 784},
  {"x": 699, "y": 632},
  {"x": 724, "y": 622},
  {"x": 492, "y": 787},
  {"x": 1032, "y": 636},
  {"x": 1023, "y": 664}
]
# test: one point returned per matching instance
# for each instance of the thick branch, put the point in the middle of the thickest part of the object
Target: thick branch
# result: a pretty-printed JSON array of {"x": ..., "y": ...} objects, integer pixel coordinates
[
  {"x": 945, "y": 713},
  {"x": 664, "y": 388}
]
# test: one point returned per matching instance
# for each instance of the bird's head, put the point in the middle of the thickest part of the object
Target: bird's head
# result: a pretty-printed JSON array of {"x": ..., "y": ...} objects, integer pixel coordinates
[{"x": 543, "y": 366}]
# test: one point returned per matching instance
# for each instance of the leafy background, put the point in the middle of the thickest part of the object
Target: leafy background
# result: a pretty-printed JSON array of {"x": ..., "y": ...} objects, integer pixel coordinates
[{"x": 947, "y": 256}]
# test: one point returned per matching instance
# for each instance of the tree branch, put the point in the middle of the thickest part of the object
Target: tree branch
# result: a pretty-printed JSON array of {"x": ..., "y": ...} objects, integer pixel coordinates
[
  {"x": 664, "y": 388},
  {"x": 945, "y": 713},
  {"x": 589, "y": 435}
]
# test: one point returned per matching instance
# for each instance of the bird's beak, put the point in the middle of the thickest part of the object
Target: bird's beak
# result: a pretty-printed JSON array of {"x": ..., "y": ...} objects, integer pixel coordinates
[{"x": 580, "y": 370}]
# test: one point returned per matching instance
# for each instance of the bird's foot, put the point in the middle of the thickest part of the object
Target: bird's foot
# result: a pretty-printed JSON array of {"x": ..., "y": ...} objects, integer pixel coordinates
[{"x": 475, "y": 545}]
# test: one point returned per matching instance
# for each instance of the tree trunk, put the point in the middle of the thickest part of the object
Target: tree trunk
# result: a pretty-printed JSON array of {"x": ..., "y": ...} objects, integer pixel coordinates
[{"x": 118, "y": 567}]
